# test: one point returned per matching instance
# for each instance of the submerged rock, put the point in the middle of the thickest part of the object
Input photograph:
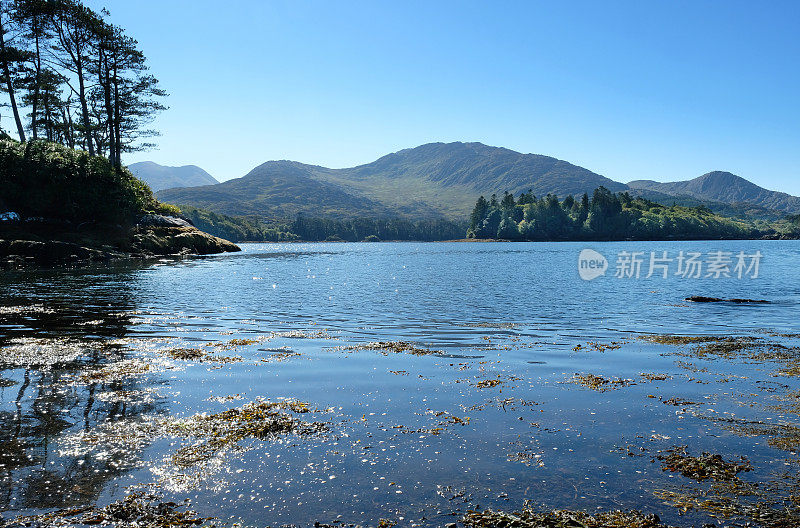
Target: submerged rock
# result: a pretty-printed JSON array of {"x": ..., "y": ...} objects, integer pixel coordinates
[{"x": 703, "y": 299}]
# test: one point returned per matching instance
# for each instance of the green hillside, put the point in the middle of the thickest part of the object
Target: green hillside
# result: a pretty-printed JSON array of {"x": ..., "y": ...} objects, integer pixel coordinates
[
  {"x": 724, "y": 187},
  {"x": 431, "y": 181}
]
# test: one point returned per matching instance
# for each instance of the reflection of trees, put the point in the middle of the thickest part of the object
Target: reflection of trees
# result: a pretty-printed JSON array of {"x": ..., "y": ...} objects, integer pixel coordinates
[{"x": 45, "y": 403}]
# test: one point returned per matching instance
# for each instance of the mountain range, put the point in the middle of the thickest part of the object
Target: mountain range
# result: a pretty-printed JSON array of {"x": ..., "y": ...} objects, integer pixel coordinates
[
  {"x": 160, "y": 177},
  {"x": 444, "y": 180}
]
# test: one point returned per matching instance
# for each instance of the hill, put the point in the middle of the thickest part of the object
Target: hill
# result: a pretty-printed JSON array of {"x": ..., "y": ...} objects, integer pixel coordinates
[
  {"x": 160, "y": 177},
  {"x": 609, "y": 216},
  {"x": 723, "y": 187},
  {"x": 443, "y": 180},
  {"x": 430, "y": 181}
]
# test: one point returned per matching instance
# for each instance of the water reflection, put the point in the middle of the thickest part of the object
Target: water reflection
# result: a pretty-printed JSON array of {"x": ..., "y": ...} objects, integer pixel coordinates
[{"x": 53, "y": 328}]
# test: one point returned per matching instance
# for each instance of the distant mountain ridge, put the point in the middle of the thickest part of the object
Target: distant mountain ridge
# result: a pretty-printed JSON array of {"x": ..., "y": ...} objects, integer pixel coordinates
[
  {"x": 719, "y": 186},
  {"x": 443, "y": 180},
  {"x": 160, "y": 177},
  {"x": 429, "y": 181}
]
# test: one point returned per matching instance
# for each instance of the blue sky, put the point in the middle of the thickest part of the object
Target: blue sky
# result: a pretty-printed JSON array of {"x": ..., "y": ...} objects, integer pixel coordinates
[{"x": 632, "y": 90}]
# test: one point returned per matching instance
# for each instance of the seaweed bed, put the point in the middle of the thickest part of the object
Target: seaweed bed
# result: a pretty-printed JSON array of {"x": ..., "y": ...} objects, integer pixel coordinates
[
  {"x": 393, "y": 347},
  {"x": 599, "y": 383},
  {"x": 717, "y": 486},
  {"x": 261, "y": 420},
  {"x": 703, "y": 467},
  {"x": 529, "y": 518},
  {"x": 137, "y": 510}
]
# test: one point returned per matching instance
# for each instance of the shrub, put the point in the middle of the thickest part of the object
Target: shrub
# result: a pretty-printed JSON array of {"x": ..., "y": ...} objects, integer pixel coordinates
[{"x": 42, "y": 179}]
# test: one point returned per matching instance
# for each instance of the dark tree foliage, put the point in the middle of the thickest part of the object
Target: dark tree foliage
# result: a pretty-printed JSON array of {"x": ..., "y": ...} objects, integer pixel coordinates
[
  {"x": 241, "y": 228},
  {"x": 45, "y": 180},
  {"x": 238, "y": 228},
  {"x": 358, "y": 229},
  {"x": 72, "y": 77},
  {"x": 606, "y": 216}
]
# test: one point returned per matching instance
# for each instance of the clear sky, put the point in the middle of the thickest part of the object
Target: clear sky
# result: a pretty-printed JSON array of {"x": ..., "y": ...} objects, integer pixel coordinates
[{"x": 663, "y": 90}]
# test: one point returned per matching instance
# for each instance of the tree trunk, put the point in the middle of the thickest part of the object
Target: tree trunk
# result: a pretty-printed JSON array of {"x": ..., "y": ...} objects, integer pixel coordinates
[
  {"x": 68, "y": 126},
  {"x": 35, "y": 101},
  {"x": 87, "y": 124},
  {"x": 106, "y": 83},
  {"x": 9, "y": 84},
  {"x": 117, "y": 119}
]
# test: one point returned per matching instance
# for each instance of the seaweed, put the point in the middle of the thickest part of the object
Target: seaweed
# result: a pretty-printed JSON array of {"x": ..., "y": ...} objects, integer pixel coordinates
[
  {"x": 196, "y": 354},
  {"x": 134, "y": 511},
  {"x": 47, "y": 353},
  {"x": 260, "y": 420},
  {"x": 650, "y": 376},
  {"x": 529, "y": 518},
  {"x": 394, "y": 347},
  {"x": 767, "y": 507},
  {"x": 599, "y": 383},
  {"x": 488, "y": 383},
  {"x": 744, "y": 347},
  {"x": 117, "y": 371},
  {"x": 670, "y": 339},
  {"x": 703, "y": 467},
  {"x": 598, "y": 346}
]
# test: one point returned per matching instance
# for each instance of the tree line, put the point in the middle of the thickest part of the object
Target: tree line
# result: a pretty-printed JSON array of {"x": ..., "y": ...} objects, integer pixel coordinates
[
  {"x": 72, "y": 77},
  {"x": 604, "y": 216},
  {"x": 253, "y": 229}
]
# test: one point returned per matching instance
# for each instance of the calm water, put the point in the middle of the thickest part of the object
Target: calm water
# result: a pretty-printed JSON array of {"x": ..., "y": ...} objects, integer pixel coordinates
[{"x": 398, "y": 443}]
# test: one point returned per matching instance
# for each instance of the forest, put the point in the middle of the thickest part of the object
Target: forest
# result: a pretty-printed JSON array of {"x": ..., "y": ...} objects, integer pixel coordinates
[
  {"x": 72, "y": 77},
  {"x": 245, "y": 228},
  {"x": 609, "y": 216}
]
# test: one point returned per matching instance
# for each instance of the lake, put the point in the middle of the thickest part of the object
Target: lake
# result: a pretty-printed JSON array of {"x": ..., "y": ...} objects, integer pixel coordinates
[{"x": 410, "y": 382}]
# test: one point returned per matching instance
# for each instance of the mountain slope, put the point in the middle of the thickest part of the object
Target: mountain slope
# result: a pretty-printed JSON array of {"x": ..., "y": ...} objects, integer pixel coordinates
[
  {"x": 429, "y": 181},
  {"x": 723, "y": 187},
  {"x": 275, "y": 189},
  {"x": 444, "y": 179},
  {"x": 160, "y": 177}
]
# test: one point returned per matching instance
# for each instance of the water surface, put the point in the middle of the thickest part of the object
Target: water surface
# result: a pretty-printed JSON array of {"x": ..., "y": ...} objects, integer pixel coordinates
[{"x": 491, "y": 419}]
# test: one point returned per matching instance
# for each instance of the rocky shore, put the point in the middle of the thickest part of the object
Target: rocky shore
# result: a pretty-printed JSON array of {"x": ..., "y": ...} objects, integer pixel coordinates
[{"x": 40, "y": 242}]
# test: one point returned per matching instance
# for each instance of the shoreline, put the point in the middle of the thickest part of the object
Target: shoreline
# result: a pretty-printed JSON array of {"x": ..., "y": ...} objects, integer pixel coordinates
[{"x": 154, "y": 236}]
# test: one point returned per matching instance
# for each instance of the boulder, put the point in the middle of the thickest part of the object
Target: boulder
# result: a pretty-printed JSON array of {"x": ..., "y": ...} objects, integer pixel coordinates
[
  {"x": 164, "y": 241},
  {"x": 9, "y": 216},
  {"x": 157, "y": 220},
  {"x": 45, "y": 253}
]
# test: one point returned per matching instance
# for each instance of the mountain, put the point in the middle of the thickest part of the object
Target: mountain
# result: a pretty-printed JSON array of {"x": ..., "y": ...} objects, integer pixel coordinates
[
  {"x": 429, "y": 181},
  {"x": 443, "y": 180},
  {"x": 723, "y": 187},
  {"x": 160, "y": 177}
]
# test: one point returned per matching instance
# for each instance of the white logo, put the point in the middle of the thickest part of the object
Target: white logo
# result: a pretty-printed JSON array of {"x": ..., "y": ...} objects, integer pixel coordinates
[{"x": 591, "y": 264}]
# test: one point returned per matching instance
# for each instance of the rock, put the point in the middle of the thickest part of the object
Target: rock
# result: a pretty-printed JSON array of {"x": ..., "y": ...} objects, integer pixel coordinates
[
  {"x": 114, "y": 242},
  {"x": 9, "y": 216},
  {"x": 451, "y": 525},
  {"x": 178, "y": 241},
  {"x": 45, "y": 253},
  {"x": 702, "y": 299},
  {"x": 157, "y": 220}
]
